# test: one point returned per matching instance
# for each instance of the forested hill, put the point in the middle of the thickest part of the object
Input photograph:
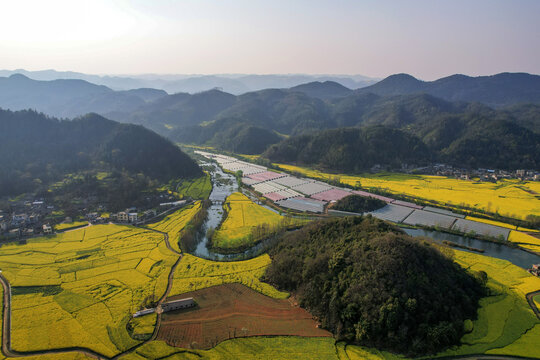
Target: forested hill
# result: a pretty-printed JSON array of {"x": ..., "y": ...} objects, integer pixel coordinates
[
  {"x": 351, "y": 150},
  {"x": 374, "y": 285},
  {"x": 36, "y": 149},
  {"x": 464, "y": 142},
  {"x": 497, "y": 90}
]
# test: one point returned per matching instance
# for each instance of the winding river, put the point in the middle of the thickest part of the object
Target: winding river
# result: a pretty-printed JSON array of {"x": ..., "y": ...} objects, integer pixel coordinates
[{"x": 225, "y": 184}]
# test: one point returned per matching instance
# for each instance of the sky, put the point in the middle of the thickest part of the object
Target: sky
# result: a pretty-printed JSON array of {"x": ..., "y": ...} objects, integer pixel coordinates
[{"x": 428, "y": 39}]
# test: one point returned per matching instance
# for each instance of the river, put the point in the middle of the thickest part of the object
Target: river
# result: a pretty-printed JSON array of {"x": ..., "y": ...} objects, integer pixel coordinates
[
  {"x": 225, "y": 184},
  {"x": 516, "y": 256}
]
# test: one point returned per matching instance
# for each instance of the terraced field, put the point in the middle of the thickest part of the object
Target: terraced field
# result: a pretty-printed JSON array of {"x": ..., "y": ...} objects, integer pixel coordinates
[
  {"x": 243, "y": 219},
  {"x": 233, "y": 311},
  {"x": 511, "y": 198},
  {"x": 84, "y": 284}
]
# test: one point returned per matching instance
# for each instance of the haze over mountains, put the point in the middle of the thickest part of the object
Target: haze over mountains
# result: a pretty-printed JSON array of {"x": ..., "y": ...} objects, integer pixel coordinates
[
  {"x": 470, "y": 121},
  {"x": 231, "y": 83}
]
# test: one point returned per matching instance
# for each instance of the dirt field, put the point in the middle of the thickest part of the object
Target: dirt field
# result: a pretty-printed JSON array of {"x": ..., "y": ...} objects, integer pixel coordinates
[{"x": 232, "y": 311}]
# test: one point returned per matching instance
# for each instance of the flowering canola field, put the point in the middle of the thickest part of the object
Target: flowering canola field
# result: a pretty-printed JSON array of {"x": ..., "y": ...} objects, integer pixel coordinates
[
  {"x": 243, "y": 216},
  {"x": 511, "y": 198},
  {"x": 83, "y": 284}
]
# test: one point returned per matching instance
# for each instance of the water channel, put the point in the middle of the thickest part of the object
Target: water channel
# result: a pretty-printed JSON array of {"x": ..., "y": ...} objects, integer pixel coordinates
[{"x": 225, "y": 184}]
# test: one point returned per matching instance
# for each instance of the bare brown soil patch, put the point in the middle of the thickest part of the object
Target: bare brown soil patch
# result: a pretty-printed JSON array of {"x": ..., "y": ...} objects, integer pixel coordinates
[{"x": 230, "y": 311}]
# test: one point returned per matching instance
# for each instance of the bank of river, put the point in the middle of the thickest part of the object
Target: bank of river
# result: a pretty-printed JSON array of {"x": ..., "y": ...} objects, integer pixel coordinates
[
  {"x": 225, "y": 184},
  {"x": 516, "y": 256}
]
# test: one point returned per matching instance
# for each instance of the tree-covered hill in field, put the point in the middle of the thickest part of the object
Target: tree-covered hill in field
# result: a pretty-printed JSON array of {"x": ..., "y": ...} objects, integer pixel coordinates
[
  {"x": 371, "y": 284},
  {"x": 37, "y": 150}
]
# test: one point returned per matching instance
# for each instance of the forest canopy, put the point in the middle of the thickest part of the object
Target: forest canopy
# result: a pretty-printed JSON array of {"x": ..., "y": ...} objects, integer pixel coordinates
[{"x": 371, "y": 284}]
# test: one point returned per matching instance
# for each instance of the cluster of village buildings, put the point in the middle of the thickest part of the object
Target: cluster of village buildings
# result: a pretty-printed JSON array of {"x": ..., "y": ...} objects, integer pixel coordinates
[
  {"x": 481, "y": 174},
  {"x": 33, "y": 218}
]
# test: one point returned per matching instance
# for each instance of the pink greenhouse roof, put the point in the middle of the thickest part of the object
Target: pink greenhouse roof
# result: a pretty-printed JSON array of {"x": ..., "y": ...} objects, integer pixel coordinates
[
  {"x": 265, "y": 176},
  {"x": 407, "y": 204},
  {"x": 364, "y": 193},
  {"x": 274, "y": 196},
  {"x": 331, "y": 195}
]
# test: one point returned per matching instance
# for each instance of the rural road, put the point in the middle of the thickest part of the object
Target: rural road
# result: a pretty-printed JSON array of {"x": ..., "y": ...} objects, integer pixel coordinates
[
  {"x": 6, "y": 320},
  {"x": 530, "y": 300}
]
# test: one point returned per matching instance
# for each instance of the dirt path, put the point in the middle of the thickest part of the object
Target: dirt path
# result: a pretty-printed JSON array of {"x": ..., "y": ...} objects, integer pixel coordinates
[
  {"x": 532, "y": 304},
  {"x": 6, "y": 320}
]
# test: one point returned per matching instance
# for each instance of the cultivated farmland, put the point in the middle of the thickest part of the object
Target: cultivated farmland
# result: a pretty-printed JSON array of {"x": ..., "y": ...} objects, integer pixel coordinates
[
  {"x": 196, "y": 189},
  {"x": 511, "y": 198},
  {"x": 194, "y": 273},
  {"x": 243, "y": 218},
  {"x": 83, "y": 284},
  {"x": 232, "y": 311},
  {"x": 174, "y": 223}
]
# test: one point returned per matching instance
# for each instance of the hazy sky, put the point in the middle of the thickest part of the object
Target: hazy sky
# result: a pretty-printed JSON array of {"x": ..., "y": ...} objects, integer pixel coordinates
[{"x": 426, "y": 38}]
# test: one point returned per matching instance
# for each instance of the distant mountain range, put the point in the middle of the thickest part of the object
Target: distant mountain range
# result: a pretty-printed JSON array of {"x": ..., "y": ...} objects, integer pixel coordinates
[
  {"x": 231, "y": 83},
  {"x": 442, "y": 114},
  {"x": 496, "y": 91}
]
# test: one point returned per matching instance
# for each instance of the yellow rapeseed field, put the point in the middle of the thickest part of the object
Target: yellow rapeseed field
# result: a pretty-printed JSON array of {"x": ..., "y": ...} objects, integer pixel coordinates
[
  {"x": 243, "y": 216},
  {"x": 174, "y": 223},
  {"x": 194, "y": 273},
  {"x": 83, "y": 284},
  {"x": 511, "y": 198},
  {"x": 525, "y": 240}
]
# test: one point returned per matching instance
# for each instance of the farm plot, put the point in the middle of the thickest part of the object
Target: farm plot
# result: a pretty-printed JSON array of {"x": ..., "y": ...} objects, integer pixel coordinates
[
  {"x": 312, "y": 188},
  {"x": 265, "y": 176},
  {"x": 525, "y": 240},
  {"x": 427, "y": 218},
  {"x": 393, "y": 213},
  {"x": 194, "y": 273},
  {"x": 511, "y": 198},
  {"x": 291, "y": 181},
  {"x": 443, "y": 212},
  {"x": 232, "y": 311},
  {"x": 407, "y": 204},
  {"x": 247, "y": 348},
  {"x": 492, "y": 222},
  {"x": 506, "y": 324},
  {"x": 196, "y": 189},
  {"x": 375, "y": 196},
  {"x": 468, "y": 226},
  {"x": 72, "y": 225},
  {"x": 244, "y": 218},
  {"x": 83, "y": 284},
  {"x": 331, "y": 195},
  {"x": 303, "y": 204},
  {"x": 174, "y": 223},
  {"x": 268, "y": 187}
]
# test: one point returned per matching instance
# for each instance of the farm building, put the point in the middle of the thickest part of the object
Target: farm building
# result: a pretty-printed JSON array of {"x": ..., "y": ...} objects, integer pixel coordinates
[
  {"x": 144, "y": 312},
  {"x": 178, "y": 304}
]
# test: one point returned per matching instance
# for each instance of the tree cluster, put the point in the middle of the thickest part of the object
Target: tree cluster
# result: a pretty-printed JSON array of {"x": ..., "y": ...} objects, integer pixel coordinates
[{"x": 371, "y": 284}]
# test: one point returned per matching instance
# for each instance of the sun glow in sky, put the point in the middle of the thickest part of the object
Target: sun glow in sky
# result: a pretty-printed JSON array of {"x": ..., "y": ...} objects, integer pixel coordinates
[{"x": 425, "y": 38}]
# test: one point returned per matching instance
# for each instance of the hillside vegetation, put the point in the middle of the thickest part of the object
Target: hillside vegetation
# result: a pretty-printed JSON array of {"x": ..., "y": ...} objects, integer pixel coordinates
[
  {"x": 36, "y": 151},
  {"x": 358, "y": 204},
  {"x": 376, "y": 286}
]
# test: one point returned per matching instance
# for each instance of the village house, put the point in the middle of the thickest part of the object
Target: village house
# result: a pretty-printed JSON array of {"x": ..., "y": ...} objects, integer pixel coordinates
[
  {"x": 47, "y": 229},
  {"x": 133, "y": 217},
  {"x": 122, "y": 216}
]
